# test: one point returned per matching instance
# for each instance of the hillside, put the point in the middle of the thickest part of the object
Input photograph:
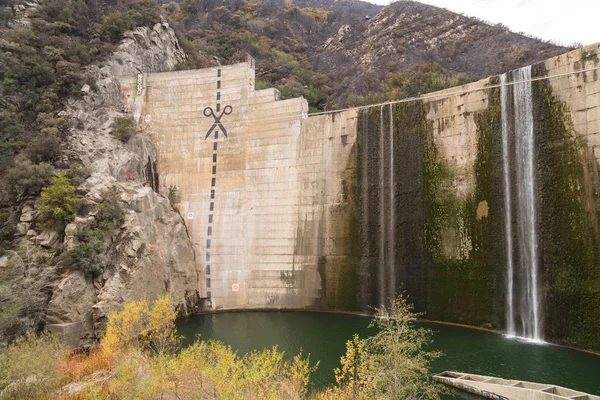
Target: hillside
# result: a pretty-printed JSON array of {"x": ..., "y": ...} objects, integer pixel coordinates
[
  {"x": 54, "y": 98},
  {"x": 360, "y": 47}
]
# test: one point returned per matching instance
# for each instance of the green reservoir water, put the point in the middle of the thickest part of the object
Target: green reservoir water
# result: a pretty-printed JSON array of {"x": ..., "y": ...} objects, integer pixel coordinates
[{"x": 323, "y": 335}]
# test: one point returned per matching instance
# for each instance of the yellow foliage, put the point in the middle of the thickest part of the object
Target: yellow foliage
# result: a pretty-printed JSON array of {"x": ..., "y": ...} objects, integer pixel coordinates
[
  {"x": 319, "y": 15},
  {"x": 128, "y": 382},
  {"x": 136, "y": 360},
  {"x": 160, "y": 331},
  {"x": 124, "y": 328},
  {"x": 140, "y": 327}
]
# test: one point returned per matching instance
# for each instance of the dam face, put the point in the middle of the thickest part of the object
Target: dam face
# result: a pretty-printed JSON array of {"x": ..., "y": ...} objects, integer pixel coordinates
[
  {"x": 256, "y": 181},
  {"x": 344, "y": 210}
]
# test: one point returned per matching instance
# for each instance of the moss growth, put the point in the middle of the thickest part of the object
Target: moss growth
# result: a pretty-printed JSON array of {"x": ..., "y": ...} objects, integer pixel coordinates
[
  {"x": 465, "y": 272},
  {"x": 415, "y": 235},
  {"x": 568, "y": 198},
  {"x": 342, "y": 279}
]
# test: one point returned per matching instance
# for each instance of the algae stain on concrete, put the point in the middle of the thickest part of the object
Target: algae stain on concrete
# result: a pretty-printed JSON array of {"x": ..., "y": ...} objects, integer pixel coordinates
[
  {"x": 464, "y": 232},
  {"x": 342, "y": 272},
  {"x": 568, "y": 197}
]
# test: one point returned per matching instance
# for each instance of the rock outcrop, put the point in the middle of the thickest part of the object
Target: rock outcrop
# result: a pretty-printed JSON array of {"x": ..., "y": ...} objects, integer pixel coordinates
[{"x": 150, "y": 254}]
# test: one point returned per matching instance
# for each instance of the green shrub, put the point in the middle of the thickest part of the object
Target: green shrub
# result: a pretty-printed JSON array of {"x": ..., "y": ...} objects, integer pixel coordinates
[
  {"x": 11, "y": 141},
  {"x": 110, "y": 214},
  {"x": 25, "y": 285},
  {"x": 26, "y": 178},
  {"x": 173, "y": 195},
  {"x": 84, "y": 257},
  {"x": 44, "y": 147},
  {"x": 7, "y": 230},
  {"x": 124, "y": 128},
  {"x": 139, "y": 13},
  {"x": 95, "y": 237},
  {"x": 58, "y": 203},
  {"x": 115, "y": 24},
  {"x": 30, "y": 367},
  {"x": 78, "y": 174}
]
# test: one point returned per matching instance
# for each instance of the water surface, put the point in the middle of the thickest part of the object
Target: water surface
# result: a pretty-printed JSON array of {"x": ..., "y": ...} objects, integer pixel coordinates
[{"x": 323, "y": 336}]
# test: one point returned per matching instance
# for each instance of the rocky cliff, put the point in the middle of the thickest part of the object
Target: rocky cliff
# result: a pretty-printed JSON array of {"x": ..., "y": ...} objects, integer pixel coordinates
[
  {"x": 150, "y": 253},
  {"x": 407, "y": 33}
]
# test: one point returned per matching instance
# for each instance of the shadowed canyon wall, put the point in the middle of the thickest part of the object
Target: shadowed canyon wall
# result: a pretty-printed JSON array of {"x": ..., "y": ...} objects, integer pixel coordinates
[{"x": 345, "y": 209}]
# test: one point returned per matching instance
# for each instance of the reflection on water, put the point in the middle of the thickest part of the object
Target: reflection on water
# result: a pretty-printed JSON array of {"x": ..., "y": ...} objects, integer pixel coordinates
[{"x": 323, "y": 336}]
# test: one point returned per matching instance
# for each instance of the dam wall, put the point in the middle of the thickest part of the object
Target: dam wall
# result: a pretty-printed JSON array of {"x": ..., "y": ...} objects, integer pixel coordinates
[
  {"x": 253, "y": 180},
  {"x": 345, "y": 209}
]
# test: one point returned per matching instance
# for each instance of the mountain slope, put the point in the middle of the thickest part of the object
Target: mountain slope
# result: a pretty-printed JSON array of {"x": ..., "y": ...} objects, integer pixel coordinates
[
  {"x": 409, "y": 33},
  {"x": 357, "y": 45}
]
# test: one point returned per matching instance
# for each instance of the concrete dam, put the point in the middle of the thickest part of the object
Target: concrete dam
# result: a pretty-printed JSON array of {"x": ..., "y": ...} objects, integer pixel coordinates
[{"x": 480, "y": 202}]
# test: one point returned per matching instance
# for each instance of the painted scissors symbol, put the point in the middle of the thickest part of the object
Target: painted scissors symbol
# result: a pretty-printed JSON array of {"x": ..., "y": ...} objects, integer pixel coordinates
[{"x": 209, "y": 112}]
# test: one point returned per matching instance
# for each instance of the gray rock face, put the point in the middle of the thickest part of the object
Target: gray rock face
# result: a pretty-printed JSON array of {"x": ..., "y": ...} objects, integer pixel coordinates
[
  {"x": 48, "y": 239},
  {"x": 72, "y": 301},
  {"x": 143, "y": 50},
  {"x": 151, "y": 253},
  {"x": 22, "y": 228},
  {"x": 29, "y": 216},
  {"x": 150, "y": 256}
]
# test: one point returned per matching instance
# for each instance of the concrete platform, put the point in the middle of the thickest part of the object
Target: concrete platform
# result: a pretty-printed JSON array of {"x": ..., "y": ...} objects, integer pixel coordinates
[{"x": 489, "y": 387}]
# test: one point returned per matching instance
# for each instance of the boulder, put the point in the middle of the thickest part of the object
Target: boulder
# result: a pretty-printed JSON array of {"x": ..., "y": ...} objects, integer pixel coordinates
[
  {"x": 29, "y": 216},
  {"x": 48, "y": 239},
  {"x": 22, "y": 228},
  {"x": 72, "y": 302}
]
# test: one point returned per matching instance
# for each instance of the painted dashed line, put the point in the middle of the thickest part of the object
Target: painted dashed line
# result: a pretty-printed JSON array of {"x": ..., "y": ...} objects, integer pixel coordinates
[
  {"x": 213, "y": 183},
  {"x": 216, "y": 128}
]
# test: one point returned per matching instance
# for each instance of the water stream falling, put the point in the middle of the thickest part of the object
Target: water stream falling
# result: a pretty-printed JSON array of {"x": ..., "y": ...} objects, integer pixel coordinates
[
  {"x": 365, "y": 179},
  {"x": 382, "y": 230},
  {"x": 528, "y": 297},
  {"x": 392, "y": 217},
  {"x": 510, "y": 313}
]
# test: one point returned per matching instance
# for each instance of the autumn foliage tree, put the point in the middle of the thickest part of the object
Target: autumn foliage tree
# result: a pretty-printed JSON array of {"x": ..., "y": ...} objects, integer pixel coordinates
[{"x": 392, "y": 364}]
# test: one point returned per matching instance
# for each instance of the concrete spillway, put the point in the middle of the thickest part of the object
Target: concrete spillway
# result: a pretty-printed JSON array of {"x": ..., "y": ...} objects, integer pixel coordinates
[{"x": 489, "y": 387}]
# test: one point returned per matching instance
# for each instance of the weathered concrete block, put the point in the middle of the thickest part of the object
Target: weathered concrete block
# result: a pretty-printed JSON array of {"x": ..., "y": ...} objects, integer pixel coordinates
[{"x": 68, "y": 333}]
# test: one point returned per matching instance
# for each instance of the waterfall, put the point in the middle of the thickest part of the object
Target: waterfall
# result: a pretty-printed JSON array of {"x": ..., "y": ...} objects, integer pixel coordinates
[
  {"x": 382, "y": 230},
  {"x": 527, "y": 204},
  {"x": 392, "y": 233},
  {"x": 528, "y": 297},
  {"x": 365, "y": 181},
  {"x": 510, "y": 317}
]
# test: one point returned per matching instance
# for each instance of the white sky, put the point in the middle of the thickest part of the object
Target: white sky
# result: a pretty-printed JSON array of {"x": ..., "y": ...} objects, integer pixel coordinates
[{"x": 563, "y": 21}]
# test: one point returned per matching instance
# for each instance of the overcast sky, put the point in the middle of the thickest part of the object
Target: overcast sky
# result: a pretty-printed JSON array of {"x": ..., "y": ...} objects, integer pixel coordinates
[{"x": 563, "y": 21}]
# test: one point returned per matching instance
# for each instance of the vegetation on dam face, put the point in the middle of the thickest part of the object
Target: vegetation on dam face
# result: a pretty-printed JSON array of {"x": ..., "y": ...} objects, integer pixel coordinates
[
  {"x": 570, "y": 239},
  {"x": 443, "y": 248},
  {"x": 450, "y": 247}
]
